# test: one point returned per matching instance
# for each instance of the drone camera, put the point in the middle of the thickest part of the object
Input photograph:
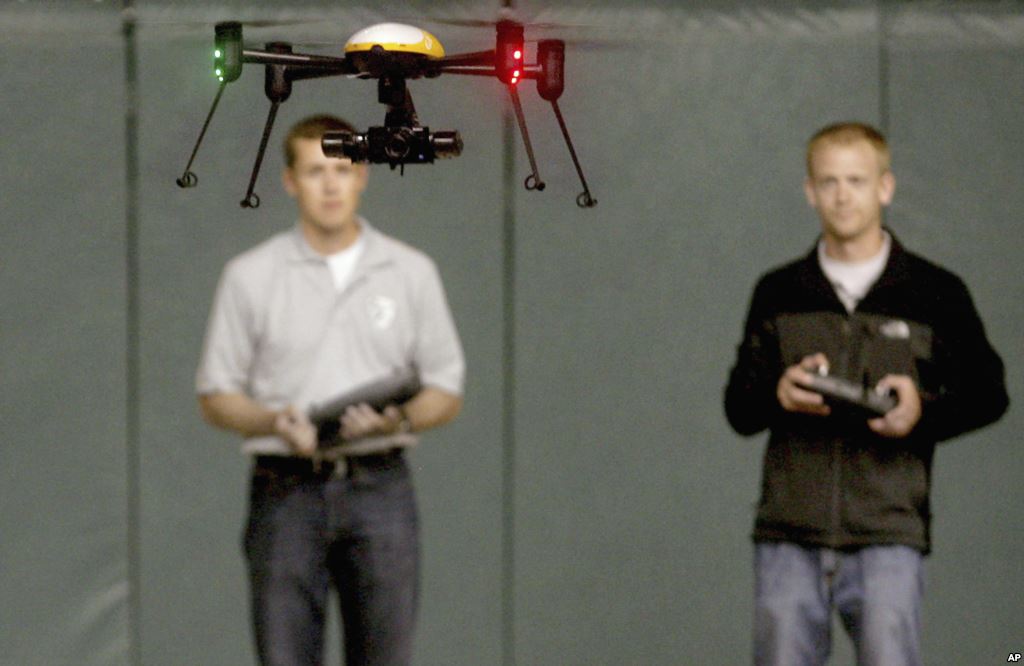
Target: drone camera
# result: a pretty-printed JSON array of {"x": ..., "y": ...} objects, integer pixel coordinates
[
  {"x": 509, "y": 54},
  {"x": 227, "y": 51},
  {"x": 393, "y": 145}
]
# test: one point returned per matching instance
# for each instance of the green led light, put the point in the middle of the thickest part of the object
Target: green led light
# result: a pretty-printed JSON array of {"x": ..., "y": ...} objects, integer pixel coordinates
[
  {"x": 217, "y": 72},
  {"x": 221, "y": 79},
  {"x": 217, "y": 53}
]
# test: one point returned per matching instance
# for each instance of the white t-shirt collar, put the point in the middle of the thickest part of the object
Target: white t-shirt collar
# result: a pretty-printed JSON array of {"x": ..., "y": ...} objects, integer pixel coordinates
[
  {"x": 343, "y": 263},
  {"x": 853, "y": 280}
]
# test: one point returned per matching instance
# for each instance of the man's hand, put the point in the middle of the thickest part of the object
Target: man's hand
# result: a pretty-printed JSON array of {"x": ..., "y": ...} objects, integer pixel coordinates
[
  {"x": 901, "y": 419},
  {"x": 792, "y": 397},
  {"x": 295, "y": 427},
  {"x": 364, "y": 421}
]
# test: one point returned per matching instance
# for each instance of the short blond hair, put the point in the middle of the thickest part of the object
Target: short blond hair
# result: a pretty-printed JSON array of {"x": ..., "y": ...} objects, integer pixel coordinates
[
  {"x": 312, "y": 127},
  {"x": 846, "y": 133}
]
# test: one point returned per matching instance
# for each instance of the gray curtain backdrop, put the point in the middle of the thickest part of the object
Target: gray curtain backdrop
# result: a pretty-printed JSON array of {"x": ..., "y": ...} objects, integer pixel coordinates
[{"x": 590, "y": 506}]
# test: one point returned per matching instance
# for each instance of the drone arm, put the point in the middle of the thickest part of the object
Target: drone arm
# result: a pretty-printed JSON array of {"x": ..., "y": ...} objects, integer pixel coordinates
[
  {"x": 468, "y": 71},
  {"x": 330, "y": 63},
  {"x": 528, "y": 72},
  {"x": 480, "y": 63},
  {"x": 189, "y": 179},
  {"x": 477, "y": 58},
  {"x": 299, "y": 73}
]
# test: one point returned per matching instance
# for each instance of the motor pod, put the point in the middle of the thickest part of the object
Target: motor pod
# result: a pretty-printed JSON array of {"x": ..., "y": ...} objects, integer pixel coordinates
[
  {"x": 276, "y": 83},
  {"x": 393, "y": 145},
  {"x": 551, "y": 57},
  {"x": 509, "y": 52},
  {"x": 227, "y": 51}
]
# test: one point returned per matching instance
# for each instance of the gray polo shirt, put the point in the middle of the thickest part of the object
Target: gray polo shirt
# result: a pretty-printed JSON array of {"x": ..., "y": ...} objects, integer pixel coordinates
[{"x": 281, "y": 333}]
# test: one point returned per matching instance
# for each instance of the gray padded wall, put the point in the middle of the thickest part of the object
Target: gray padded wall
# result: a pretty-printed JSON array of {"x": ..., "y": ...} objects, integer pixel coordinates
[
  {"x": 630, "y": 500},
  {"x": 63, "y": 525},
  {"x": 956, "y": 94}
]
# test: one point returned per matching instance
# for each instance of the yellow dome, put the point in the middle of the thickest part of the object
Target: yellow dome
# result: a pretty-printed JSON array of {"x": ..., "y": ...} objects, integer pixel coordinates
[{"x": 395, "y": 37}]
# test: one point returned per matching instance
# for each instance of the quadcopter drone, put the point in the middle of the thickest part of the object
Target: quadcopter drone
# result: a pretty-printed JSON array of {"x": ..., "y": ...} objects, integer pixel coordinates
[{"x": 393, "y": 53}]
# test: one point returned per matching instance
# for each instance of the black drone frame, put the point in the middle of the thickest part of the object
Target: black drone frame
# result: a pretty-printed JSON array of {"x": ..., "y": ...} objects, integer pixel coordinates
[{"x": 392, "y": 69}]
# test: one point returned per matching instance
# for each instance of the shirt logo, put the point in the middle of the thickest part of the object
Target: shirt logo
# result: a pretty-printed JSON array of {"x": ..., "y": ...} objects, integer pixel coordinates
[
  {"x": 895, "y": 328},
  {"x": 382, "y": 310}
]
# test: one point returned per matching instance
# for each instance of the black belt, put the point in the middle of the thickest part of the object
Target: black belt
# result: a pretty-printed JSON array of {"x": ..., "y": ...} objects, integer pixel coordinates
[{"x": 342, "y": 466}]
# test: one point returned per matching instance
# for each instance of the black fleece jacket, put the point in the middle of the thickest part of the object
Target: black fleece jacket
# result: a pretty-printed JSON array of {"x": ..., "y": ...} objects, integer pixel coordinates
[{"x": 831, "y": 481}]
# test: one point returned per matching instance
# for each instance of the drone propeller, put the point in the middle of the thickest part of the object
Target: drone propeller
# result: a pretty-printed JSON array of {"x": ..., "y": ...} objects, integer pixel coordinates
[
  {"x": 505, "y": 17},
  {"x": 247, "y": 24},
  {"x": 485, "y": 23},
  {"x": 591, "y": 44},
  {"x": 173, "y": 29},
  {"x": 582, "y": 43}
]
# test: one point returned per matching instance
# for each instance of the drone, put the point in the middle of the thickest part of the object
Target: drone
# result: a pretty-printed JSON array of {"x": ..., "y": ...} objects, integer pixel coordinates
[{"x": 393, "y": 53}]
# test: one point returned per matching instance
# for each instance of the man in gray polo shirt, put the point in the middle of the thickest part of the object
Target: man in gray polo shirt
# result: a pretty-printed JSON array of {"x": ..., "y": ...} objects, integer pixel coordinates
[{"x": 314, "y": 311}]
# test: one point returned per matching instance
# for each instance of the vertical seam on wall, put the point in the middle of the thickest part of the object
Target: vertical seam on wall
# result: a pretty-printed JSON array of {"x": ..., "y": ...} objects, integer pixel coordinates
[
  {"x": 508, "y": 393},
  {"x": 883, "y": 66},
  {"x": 883, "y": 76},
  {"x": 508, "y": 433},
  {"x": 132, "y": 359}
]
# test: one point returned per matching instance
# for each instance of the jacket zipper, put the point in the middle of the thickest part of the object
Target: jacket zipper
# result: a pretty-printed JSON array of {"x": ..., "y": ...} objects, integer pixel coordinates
[{"x": 837, "y": 447}]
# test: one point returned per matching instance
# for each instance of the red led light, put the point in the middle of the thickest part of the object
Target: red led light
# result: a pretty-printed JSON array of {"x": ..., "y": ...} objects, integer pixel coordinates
[{"x": 509, "y": 53}]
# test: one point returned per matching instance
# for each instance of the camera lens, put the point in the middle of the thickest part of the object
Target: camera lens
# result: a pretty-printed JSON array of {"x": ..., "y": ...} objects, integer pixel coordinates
[
  {"x": 345, "y": 144},
  {"x": 446, "y": 143},
  {"x": 398, "y": 144}
]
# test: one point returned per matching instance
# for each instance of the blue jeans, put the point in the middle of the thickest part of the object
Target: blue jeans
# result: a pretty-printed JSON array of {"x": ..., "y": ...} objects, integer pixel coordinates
[
  {"x": 876, "y": 590},
  {"x": 357, "y": 531}
]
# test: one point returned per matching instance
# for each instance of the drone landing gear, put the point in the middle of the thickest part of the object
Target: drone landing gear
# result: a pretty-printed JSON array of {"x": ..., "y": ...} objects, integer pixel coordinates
[
  {"x": 584, "y": 200},
  {"x": 189, "y": 179},
  {"x": 278, "y": 87},
  {"x": 550, "y": 85},
  {"x": 533, "y": 181},
  {"x": 251, "y": 200}
]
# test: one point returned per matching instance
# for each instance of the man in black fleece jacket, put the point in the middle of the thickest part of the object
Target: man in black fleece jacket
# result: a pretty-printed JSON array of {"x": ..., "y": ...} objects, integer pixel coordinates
[{"x": 843, "y": 518}]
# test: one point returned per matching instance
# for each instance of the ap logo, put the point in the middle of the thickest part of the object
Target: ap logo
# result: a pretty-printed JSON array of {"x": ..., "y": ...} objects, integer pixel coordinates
[
  {"x": 1014, "y": 657},
  {"x": 382, "y": 310}
]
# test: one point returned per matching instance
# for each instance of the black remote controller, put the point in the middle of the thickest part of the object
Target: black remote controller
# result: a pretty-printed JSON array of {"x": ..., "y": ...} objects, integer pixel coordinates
[
  {"x": 842, "y": 391},
  {"x": 394, "y": 389}
]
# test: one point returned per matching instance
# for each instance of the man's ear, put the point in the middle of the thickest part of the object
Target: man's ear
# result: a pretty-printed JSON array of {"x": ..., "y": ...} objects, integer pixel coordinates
[
  {"x": 886, "y": 188},
  {"x": 812, "y": 199},
  {"x": 288, "y": 181}
]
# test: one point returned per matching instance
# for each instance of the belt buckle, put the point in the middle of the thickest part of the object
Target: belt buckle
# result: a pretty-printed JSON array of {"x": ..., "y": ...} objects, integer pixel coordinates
[
  {"x": 340, "y": 470},
  {"x": 338, "y": 466}
]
